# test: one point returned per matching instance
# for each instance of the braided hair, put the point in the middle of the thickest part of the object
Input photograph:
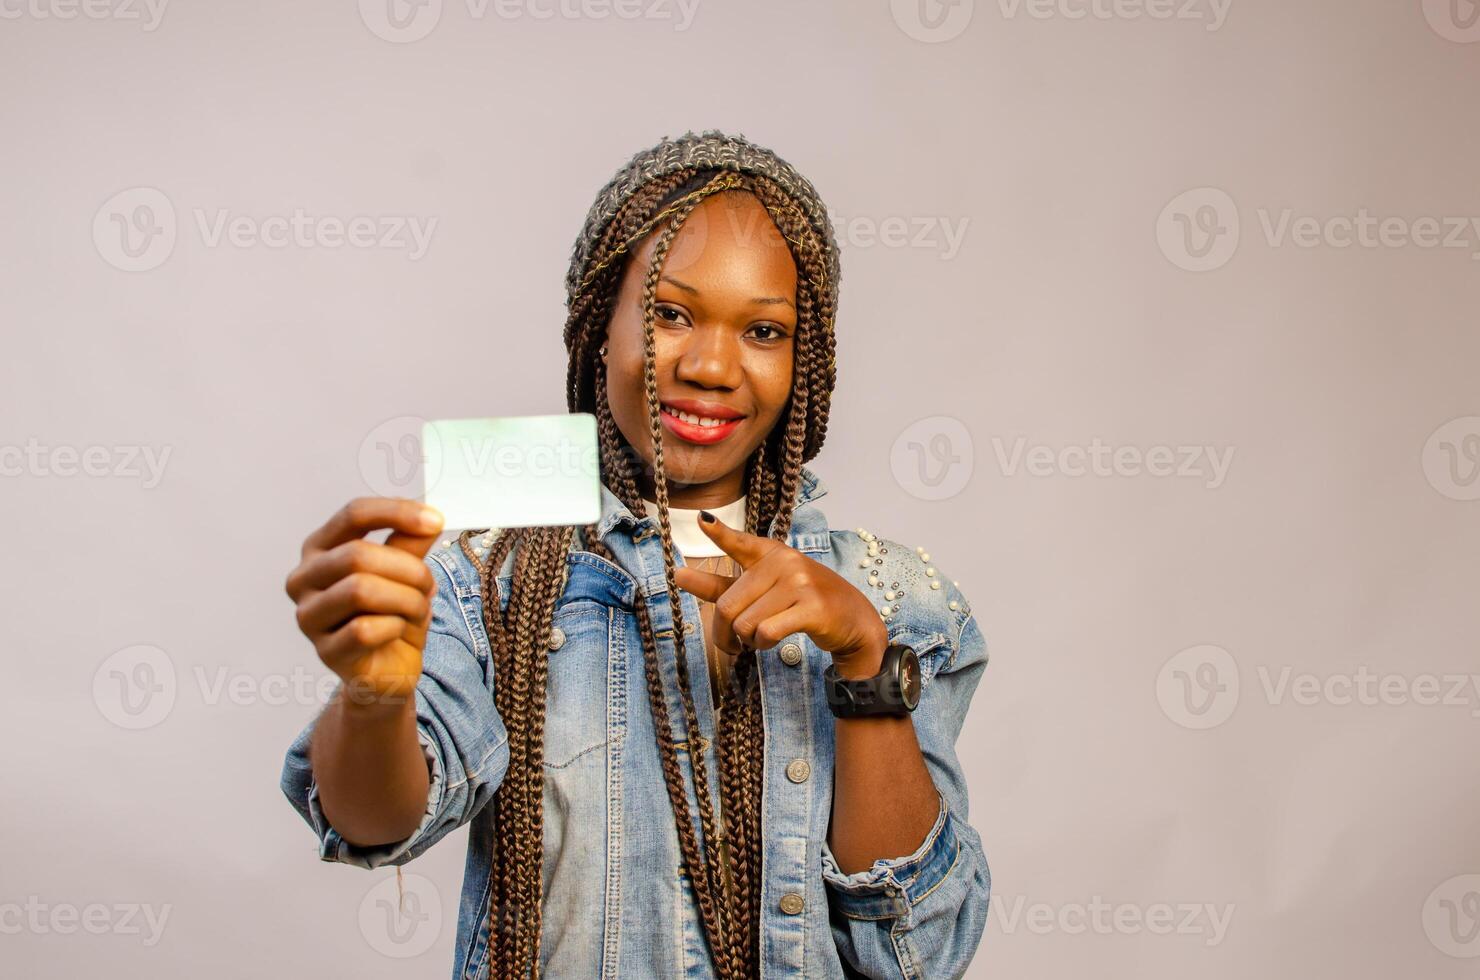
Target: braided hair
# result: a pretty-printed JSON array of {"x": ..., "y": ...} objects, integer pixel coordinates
[{"x": 654, "y": 193}]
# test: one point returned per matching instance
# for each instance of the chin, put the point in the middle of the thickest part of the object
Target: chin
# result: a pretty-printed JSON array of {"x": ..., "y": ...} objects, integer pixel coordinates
[
  {"x": 696, "y": 465},
  {"x": 681, "y": 469}
]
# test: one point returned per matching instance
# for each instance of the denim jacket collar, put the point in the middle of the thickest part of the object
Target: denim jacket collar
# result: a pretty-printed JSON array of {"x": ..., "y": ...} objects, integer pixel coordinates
[{"x": 809, "y": 531}]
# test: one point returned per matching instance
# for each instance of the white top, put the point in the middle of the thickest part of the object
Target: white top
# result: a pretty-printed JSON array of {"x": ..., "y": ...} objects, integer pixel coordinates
[{"x": 689, "y": 538}]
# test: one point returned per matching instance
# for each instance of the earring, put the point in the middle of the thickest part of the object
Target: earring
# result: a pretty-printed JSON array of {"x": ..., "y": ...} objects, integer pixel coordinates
[{"x": 601, "y": 353}]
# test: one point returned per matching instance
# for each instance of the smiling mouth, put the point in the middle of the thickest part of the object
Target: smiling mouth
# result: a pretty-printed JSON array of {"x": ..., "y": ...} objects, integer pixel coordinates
[{"x": 697, "y": 428}]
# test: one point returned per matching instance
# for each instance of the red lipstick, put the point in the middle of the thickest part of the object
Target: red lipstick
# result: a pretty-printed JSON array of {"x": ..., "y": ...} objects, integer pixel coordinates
[{"x": 703, "y": 435}]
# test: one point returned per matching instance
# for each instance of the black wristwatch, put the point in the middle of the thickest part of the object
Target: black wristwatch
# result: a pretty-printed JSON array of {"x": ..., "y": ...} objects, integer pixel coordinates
[{"x": 894, "y": 690}]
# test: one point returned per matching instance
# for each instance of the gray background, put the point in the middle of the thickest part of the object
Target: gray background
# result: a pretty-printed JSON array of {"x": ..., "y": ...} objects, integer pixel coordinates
[{"x": 1173, "y": 716}]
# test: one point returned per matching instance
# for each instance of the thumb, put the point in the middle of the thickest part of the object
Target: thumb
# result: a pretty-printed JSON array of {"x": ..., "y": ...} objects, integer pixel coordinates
[
  {"x": 704, "y": 585},
  {"x": 416, "y": 544}
]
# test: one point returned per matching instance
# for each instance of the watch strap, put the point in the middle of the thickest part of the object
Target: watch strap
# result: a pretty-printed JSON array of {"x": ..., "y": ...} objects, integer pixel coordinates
[{"x": 868, "y": 696}]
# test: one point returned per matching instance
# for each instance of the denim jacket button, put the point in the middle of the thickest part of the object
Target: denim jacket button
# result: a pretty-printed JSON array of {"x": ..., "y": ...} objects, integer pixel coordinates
[
  {"x": 557, "y": 638},
  {"x": 791, "y": 654},
  {"x": 792, "y": 903},
  {"x": 797, "y": 770}
]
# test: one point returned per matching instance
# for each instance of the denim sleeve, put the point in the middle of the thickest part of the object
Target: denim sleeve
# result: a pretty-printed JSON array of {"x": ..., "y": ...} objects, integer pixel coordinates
[
  {"x": 461, "y": 734},
  {"x": 922, "y": 915}
]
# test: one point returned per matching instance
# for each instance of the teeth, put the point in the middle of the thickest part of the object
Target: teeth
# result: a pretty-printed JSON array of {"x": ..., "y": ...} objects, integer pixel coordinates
[{"x": 696, "y": 419}]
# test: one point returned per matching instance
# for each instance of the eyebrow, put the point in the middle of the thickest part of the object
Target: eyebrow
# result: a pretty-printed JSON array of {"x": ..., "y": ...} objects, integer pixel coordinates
[{"x": 755, "y": 301}]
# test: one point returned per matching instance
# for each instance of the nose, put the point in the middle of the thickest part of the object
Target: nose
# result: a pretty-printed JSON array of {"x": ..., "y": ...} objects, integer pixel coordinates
[{"x": 710, "y": 358}]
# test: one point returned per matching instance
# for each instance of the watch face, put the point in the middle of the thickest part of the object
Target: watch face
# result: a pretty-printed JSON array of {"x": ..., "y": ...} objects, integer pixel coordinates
[{"x": 909, "y": 679}]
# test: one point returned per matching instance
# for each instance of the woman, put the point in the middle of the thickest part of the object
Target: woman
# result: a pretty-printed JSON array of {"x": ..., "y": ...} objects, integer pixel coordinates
[{"x": 653, "y": 722}]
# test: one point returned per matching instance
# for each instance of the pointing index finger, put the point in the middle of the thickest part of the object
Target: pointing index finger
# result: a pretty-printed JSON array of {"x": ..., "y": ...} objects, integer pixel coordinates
[{"x": 745, "y": 548}]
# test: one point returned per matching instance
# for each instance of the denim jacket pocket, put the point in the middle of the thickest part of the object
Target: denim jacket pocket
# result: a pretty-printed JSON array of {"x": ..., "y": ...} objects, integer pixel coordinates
[{"x": 576, "y": 702}]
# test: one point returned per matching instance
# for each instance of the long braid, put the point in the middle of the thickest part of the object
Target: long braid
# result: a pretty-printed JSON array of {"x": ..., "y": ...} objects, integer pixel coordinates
[
  {"x": 655, "y": 194},
  {"x": 742, "y": 754},
  {"x": 520, "y": 639},
  {"x": 712, "y": 835}
]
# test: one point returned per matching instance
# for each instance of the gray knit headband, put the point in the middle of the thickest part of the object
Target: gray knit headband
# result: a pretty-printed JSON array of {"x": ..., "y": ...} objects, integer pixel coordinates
[{"x": 710, "y": 149}]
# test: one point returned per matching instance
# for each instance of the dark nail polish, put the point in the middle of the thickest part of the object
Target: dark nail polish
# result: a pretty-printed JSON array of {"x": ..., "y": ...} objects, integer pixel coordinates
[{"x": 706, "y": 517}]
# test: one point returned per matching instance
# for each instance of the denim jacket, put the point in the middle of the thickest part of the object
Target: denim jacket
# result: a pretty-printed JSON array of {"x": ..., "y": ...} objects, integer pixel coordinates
[{"x": 618, "y": 902}]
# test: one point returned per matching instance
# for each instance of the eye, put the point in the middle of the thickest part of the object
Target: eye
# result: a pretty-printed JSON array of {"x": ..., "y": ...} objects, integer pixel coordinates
[
  {"x": 668, "y": 314},
  {"x": 776, "y": 333}
]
